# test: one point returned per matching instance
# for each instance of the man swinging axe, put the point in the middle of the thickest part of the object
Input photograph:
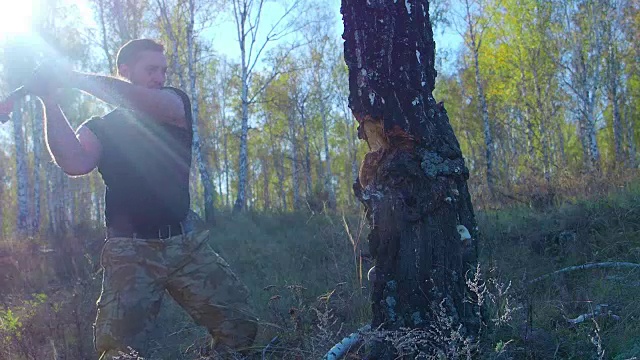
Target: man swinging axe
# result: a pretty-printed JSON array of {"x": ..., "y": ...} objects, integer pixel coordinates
[{"x": 142, "y": 150}]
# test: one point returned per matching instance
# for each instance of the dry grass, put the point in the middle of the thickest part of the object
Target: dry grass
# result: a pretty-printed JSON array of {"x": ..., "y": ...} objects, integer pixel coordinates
[{"x": 306, "y": 276}]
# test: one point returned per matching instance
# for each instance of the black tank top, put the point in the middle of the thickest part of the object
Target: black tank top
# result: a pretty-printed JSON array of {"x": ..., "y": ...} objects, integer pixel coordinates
[{"x": 145, "y": 167}]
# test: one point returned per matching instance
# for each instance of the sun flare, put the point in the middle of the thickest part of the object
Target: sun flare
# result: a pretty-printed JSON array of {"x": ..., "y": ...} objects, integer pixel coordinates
[{"x": 15, "y": 17}]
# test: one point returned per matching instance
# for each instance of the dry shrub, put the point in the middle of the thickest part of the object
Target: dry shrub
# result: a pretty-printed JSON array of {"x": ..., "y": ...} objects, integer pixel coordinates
[{"x": 536, "y": 192}]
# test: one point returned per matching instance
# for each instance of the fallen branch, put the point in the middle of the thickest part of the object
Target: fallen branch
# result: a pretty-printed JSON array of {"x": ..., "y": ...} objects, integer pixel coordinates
[
  {"x": 585, "y": 267},
  {"x": 599, "y": 310},
  {"x": 341, "y": 348},
  {"x": 264, "y": 351}
]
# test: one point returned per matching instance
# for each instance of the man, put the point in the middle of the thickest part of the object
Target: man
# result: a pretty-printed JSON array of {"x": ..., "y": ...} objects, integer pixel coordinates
[{"x": 142, "y": 149}]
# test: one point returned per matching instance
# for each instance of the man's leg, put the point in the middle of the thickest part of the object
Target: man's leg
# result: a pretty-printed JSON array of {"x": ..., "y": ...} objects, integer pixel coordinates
[
  {"x": 130, "y": 298},
  {"x": 204, "y": 285}
]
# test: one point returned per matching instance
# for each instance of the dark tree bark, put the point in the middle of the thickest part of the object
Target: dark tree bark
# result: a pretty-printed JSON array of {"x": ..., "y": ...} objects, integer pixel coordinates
[{"x": 413, "y": 181}]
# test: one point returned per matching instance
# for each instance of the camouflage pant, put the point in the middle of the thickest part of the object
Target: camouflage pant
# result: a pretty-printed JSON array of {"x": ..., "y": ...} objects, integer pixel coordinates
[{"x": 137, "y": 272}]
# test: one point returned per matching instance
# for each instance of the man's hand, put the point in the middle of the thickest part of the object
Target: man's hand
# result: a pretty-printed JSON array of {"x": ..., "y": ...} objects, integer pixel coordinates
[{"x": 47, "y": 79}]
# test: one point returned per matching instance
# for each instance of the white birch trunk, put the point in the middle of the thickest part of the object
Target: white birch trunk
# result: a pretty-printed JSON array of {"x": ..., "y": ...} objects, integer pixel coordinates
[
  {"x": 52, "y": 196},
  {"x": 328, "y": 182},
  {"x": 584, "y": 72},
  {"x": 205, "y": 177},
  {"x": 226, "y": 163},
  {"x": 38, "y": 133},
  {"x": 265, "y": 183},
  {"x": 279, "y": 164},
  {"x": 475, "y": 44},
  {"x": 22, "y": 175},
  {"x": 307, "y": 152},
  {"x": 294, "y": 163},
  {"x": 175, "y": 58},
  {"x": 613, "y": 84}
]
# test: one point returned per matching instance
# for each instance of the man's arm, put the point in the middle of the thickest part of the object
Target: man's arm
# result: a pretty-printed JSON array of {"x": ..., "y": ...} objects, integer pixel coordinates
[
  {"x": 162, "y": 104},
  {"x": 76, "y": 154}
]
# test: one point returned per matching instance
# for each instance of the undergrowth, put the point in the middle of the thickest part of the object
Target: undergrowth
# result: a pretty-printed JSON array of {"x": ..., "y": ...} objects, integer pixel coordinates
[{"x": 307, "y": 274}]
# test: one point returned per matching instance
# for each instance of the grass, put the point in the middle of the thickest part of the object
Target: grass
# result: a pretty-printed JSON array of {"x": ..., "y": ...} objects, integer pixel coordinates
[{"x": 304, "y": 273}]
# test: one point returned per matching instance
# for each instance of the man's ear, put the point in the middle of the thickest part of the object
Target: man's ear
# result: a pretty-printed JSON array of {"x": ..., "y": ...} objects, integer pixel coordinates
[{"x": 124, "y": 70}]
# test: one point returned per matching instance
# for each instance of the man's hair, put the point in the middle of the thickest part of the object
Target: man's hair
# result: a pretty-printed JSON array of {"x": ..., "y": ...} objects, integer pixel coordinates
[{"x": 128, "y": 53}]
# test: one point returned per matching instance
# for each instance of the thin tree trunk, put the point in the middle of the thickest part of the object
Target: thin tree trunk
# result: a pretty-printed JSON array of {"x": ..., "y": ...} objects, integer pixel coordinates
[
  {"x": 278, "y": 160},
  {"x": 205, "y": 177},
  {"x": 103, "y": 30},
  {"x": 266, "y": 174},
  {"x": 38, "y": 133},
  {"x": 617, "y": 125},
  {"x": 71, "y": 199},
  {"x": 243, "y": 156},
  {"x": 591, "y": 135},
  {"x": 175, "y": 54},
  {"x": 122, "y": 28},
  {"x": 413, "y": 181},
  {"x": 22, "y": 171},
  {"x": 328, "y": 180},
  {"x": 544, "y": 136},
  {"x": 294, "y": 162},
  {"x": 226, "y": 164},
  {"x": 631, "y": 138},
  {"x": 307, "y": 153},
  {"x": 482, "y": 100},
  {"x": 52, "y": 195},
  {"x": 613, "y": 75},
  {"x": 561, "y": 144}
]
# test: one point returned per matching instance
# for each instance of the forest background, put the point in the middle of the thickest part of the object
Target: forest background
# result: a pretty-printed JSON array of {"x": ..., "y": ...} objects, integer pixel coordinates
[{"x": 543, "y": 96}]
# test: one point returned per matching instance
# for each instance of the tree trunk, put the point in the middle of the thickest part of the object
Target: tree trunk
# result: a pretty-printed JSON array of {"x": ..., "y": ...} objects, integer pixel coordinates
[
  {"x": 278, "y": 160},
  {"x": 122, "y": 27},
  {"x": 591, "y": 136},
  {"x": 52, "y": 195},
  {"x": 544, "y": 116},
  {"x": 243, "y": 156},
  {"x": 103, "y": 31},
  {"x": 203, "y": 169},
  {"x": 22, "y": 175},
  {"x": 307, "y": 152},
  {"x": 294, "y": 162},
  {"x": 561, "y": 145},
  {"x": 225, "y": 142},
  {"x": 175, "y": 53},
  {"x": 413, "y": 180},
  {"x": 38, "y": 133},
  {"x": 631, "y": 139},
  {"x": 613, "y": 75},
  {"x": 266, "y": 174},
  {"x": 475, "y": 43},
  {"x": 328, "y": 175}
]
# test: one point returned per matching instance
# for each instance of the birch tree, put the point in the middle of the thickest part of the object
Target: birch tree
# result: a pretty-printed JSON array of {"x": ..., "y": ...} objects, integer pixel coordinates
[
  {"x": 205, "y": 177},
  {"x": 582, "y": 37},
  {"x": 474, "y": 25},
  {"x": 323, "y": 56},
  {"x": 614, "y": 70},
  {"x": 248, "y": 18},
  {"x": 119, "y": 21},
  {"x": 412, "y": 182},
  {"x": 22, "y": 172}
]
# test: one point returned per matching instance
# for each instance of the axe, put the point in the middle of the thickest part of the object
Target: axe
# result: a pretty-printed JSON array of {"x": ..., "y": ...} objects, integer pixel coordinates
[{"x": 6, "y": 106}]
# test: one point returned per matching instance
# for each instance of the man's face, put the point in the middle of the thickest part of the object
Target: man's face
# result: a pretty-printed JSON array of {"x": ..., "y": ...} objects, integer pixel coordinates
[{"x": 149, "y": 70}]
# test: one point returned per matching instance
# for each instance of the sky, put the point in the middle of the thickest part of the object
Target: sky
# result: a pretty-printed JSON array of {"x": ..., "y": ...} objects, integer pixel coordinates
[
  {"x": 224, "y": 36},
  {"x": 14, "y": 18}
]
